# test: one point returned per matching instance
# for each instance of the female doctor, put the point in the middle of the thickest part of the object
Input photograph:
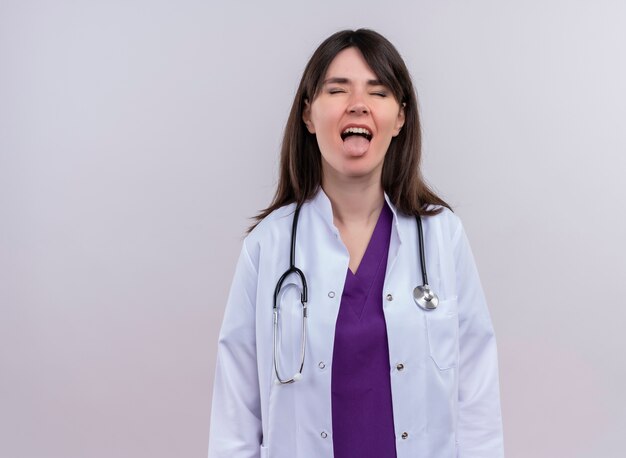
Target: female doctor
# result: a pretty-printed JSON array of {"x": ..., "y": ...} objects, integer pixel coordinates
[{"x": 356, "y": 325}]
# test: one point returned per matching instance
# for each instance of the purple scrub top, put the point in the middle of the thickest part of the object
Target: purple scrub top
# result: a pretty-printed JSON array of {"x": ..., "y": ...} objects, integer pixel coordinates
[{"x": 362, "y": 412}]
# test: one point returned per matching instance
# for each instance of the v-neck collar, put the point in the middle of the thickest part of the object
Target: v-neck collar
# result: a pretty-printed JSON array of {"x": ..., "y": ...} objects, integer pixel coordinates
[
  {"x": 322, "y": 205},
  {"x": 376, "y": 247},
  {"x": 358, "y": 286}
]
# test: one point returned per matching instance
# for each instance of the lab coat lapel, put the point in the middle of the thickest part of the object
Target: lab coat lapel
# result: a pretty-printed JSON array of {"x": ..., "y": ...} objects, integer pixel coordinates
[{"x": 396, "y": 239}]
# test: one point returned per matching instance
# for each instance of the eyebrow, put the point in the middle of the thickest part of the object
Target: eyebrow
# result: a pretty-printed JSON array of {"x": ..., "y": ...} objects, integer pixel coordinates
[{"x": 339, "y": 80}]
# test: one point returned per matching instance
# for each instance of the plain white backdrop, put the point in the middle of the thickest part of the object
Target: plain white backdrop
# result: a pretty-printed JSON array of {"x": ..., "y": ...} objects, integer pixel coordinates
[{"x": 137, "y": 137}]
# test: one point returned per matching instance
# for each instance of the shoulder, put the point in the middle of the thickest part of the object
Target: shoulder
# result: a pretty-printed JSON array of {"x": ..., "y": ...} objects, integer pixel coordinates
[
  {"x": 445, "y": 222},
  {"x": 446, "y": 217},
  {"x": 453, "y": 232},
  {"x": 270, "y": 230}
]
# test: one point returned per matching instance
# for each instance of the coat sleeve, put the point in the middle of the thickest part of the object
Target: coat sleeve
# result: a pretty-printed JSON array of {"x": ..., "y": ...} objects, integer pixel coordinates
[
  {"x": 479, "y": 432},
  {"x": 236, "y": 407}
]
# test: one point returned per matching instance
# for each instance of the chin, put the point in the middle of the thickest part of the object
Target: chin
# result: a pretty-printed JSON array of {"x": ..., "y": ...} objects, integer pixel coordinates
[
  {"x": 358, "y": 171},
  {"x": 360, "y": 167}
]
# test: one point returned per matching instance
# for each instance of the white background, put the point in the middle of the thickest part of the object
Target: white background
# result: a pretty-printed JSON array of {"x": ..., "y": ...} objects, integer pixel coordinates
[{"x": 137, "y": 137}]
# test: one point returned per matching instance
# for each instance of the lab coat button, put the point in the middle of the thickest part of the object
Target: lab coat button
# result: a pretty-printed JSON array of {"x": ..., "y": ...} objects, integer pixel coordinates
[
  {"x": 389, "y": 297},
  {"x": 405, "y": 435},
  {"x": 324, "y": 435},
  {"x": 321, "y": 365},
  {"x": 331, "y": 294},
  {"x": 400, "y": 367}
]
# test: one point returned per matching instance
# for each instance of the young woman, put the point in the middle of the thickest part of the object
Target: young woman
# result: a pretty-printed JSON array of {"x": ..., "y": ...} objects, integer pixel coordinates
[{"x": 356, "y": 325}]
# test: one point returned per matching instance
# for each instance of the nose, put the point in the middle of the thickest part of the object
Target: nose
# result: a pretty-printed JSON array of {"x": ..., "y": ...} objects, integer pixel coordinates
[
  {"x": 358, "y": 108},
  {"x": 356, "y": 104}
]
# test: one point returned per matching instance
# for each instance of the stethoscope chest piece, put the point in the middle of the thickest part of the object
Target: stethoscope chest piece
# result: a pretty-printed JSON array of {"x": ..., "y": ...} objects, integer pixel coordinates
[{"x": 425, "y": 298}]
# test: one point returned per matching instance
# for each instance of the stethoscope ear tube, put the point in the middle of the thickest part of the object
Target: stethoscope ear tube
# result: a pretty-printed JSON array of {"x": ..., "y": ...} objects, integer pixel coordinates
[{"x": 298, "y": 375}]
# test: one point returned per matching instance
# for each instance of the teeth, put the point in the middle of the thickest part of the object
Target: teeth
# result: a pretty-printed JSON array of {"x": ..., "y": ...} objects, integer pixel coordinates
[{"x": 357, "y": 130}]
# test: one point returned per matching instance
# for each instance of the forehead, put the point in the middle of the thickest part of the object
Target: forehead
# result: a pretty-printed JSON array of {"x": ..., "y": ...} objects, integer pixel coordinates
[{"x": 350, "y": 64}]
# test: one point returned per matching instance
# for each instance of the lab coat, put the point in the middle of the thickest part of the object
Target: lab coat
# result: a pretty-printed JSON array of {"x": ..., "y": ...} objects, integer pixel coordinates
[{"x": 444, "y": 366}]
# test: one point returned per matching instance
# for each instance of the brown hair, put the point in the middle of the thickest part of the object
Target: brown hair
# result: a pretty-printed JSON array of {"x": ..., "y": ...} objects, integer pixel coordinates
[{"x": 300, "y": 157}]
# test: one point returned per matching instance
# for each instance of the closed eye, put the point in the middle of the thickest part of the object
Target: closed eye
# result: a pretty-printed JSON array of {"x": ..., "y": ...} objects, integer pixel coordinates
[{"x": 381, "y": 94}]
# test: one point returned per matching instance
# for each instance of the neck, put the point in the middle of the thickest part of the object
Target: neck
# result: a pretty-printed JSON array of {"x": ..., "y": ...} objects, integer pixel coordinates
[{"x": 355, "y": 202}]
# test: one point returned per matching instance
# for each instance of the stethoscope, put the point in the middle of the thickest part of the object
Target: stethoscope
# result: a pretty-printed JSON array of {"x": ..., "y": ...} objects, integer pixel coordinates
[{"x": 422, "y": 294}]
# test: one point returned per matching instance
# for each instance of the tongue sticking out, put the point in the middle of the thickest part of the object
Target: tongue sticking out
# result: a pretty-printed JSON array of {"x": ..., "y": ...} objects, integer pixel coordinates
[{"x": 356, "y": 145}]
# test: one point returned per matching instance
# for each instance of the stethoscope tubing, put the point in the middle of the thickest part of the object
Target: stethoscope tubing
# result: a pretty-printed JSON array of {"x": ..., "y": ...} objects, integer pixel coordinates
[
  {"x": 423, "y": 295},
  {"x": 420, "y": 236},
  {"x": 303, "y": 299}
]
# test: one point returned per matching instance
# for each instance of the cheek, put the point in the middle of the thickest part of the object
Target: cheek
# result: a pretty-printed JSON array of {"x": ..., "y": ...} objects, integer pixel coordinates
[
  {"x": 388, "y": 125},
  {"x": 326, "y": 137},
  {"x": 325, "y": 118}
]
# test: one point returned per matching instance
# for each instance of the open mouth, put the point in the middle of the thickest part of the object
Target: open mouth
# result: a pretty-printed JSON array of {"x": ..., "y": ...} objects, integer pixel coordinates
[{"x": 360, "y": 131}]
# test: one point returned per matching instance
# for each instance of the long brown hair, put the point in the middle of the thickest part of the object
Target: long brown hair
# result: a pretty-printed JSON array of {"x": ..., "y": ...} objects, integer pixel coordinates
[{"x": 300, "y": 158}]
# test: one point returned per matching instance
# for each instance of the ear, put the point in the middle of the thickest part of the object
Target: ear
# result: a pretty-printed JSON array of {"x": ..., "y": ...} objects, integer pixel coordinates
[
  {"x": 306, "y": 116},
  {"x": 400, "y": 119}
]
